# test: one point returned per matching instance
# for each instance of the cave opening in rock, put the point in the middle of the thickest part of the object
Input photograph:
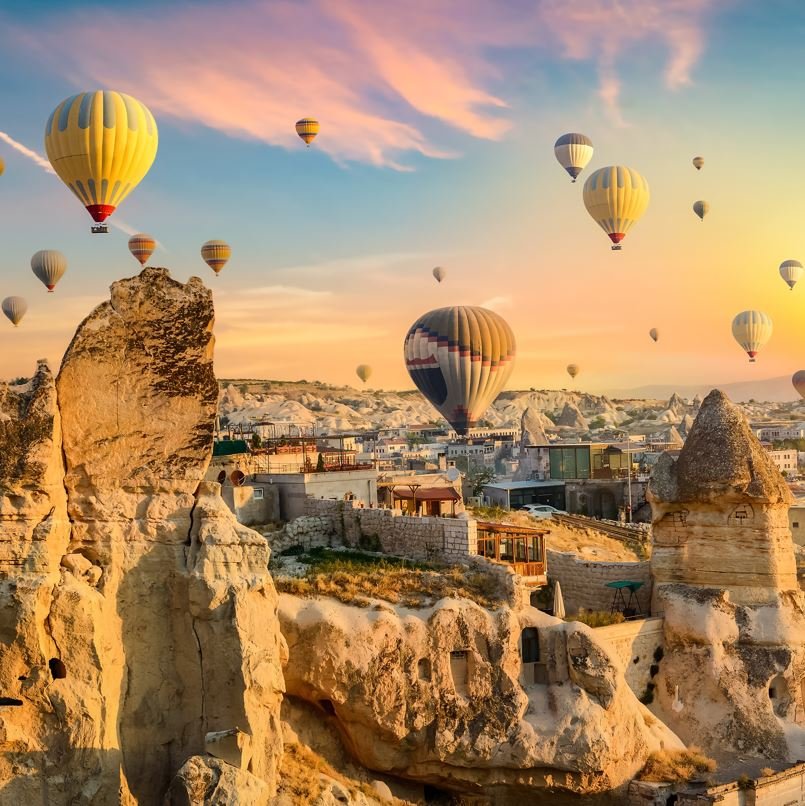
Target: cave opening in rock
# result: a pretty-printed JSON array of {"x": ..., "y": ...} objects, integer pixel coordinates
[
  {"x": 57, "y": 669},
  {"x": 10, "y": 701},
  {"x": 423, "y": 669},
  {"x": 779, "y": 695},
  {"x": 459, "y": 670},
  {"x": 529, "y": 645},
  {"x": 327, "y": 706}
]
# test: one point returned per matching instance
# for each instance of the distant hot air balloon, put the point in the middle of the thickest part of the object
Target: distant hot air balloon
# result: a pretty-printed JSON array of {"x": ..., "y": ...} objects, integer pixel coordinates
[
  {"x": 572, "y": 370},
  {"x": 439, "y": 273},
  {"x": 364, "y": 372},
  {"x": 698, "y": 162},
  {"x": 791, "y": 271},
  {"x": 101, "y": 144},
  {"x": 701, "y": 208},
  {"x": 307, "y": 129},
  {"x": 654, "y": 333},
  {"x": 460, "y": 359},
  {"x": 142, "y": 246},
  {"x": 216, "y": 254},
  {"x": 752, "y": 329},
  {"x": 2, "y": 167},
  {"x": 798, "y": 379},
  {"x": 616, "y": 197},
  {"x": 573, "y": 151},
  {"x": 49, "y": 266},
  {"x": 14, "y": 308}
]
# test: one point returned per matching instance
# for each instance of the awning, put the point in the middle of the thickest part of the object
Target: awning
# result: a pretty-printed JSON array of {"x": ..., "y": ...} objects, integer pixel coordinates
[{"x": 427, "y": 494}]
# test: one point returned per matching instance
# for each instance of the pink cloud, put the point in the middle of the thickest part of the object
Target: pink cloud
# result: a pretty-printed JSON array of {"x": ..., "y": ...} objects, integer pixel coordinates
[{"x": 381, "y": 77}]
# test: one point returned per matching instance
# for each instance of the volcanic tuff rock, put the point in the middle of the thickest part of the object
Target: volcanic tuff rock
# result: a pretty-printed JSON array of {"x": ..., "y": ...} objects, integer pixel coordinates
[
  {"x": 442, "y": 696},
  {"x": 571, "y": 417},
  {"x": 733, "y": 673},
  {"x": 147, "y": 620}
]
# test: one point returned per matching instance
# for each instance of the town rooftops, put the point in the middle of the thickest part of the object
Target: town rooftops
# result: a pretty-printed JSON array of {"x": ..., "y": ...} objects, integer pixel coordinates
[{"x": 522, "y": 485}]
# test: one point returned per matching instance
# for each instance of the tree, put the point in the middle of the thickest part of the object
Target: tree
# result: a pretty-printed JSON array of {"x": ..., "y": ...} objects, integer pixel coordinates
[
  {"x": 256, "y": 441},
  {"x": 320, "y": 464},
  {"x": 479, "y": 478}
]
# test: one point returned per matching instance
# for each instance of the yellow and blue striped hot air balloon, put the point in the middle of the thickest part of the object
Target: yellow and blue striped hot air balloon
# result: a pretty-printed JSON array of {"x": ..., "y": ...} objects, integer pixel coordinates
[
  {"x": 752, "y": 329},
  {"x": 616, "y": 197},
  {"x": 101, "y": 144},
  {"x": 307, "y": 129},
  {"x": 460, "y": 359},
  {"x": 573, "y": 151},
  {"x": 216, "y": 254}
]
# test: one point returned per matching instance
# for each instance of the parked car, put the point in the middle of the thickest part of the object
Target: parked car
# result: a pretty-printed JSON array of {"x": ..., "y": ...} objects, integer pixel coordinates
[{"x": 542, "y": 510}]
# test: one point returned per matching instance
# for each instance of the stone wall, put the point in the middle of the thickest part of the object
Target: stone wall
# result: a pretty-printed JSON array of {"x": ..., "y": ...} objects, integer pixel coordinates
[
  {"x": 583, "y": 582},
  {"x": 247, "y": 508},
  {"x": 780, "y": 789},
  {"x": 638, "y": 644}
]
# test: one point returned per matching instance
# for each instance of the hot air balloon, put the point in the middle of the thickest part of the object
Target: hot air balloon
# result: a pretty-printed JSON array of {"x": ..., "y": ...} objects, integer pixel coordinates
[
  {"x": 791, "y": 271},
  {"x": 616, "y": 197},
  {"x": 752, "y": 329},
  {"x": 798, "y": 379},
  {"x": 654, "y": 333},
  {"x": 460, "y": 359},
  {"x": 307, "y": 129},
  {"x": 14, "y": 308},
  {"x": 142, "y": 247},
  {"x": 2, "y": 167},
  {"x": 573, "y": 151},
  {"x": 698, "y": 162},
  {"x": 572, "y": 370},
  {"x": 216, "y": 254},
  {"x": 101, "y": 144},
  {"x": 364, "y": 372},
  {"x": 49, "y": 267},
  {"x": 439, "y": 273},
  {"x": 701, "y": 208}
]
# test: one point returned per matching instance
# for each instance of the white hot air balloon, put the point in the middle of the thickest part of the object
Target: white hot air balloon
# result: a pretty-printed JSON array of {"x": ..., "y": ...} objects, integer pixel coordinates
[
  {"x": 14, "y": 308},
  {"x": 752, "y": 329},
  {"x": 654, "y": 333},
  {"x": 49, "y": 266},
  {"x": 439, "y": 273},
  {"x": 573, "y": 151},
  {"x": 791, "y": 272}
]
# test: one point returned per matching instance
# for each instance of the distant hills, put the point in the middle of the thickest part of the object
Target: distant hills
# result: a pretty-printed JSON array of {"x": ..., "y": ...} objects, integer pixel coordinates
[{"x": 771, "y": 390}]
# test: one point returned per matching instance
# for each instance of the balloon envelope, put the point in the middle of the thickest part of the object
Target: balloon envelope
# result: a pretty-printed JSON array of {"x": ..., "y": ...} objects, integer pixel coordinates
[
  {"x": 49, "y": 266},
  {"x": 701, "y": 208},
  {"x": 460, "y": 359},
  {"x": 791, "y": 271},
  {"x": 216, "y": 254},
  {"x": 101, "y": 144},
  {"x": 364, "y": 372},
  {"x": 307, "y": 129},
  {"x": 698, "y": 162},
  {"x": 752, "y": 329},
  {"x": 572, "y": 370},
  {"x": 654, "y": 333},
  {"x": 798, "y": 379},
  {"x": 573, "y": 151},
  {"x": 142, "y": 246},
  {"x": 616, "y": 197},
  {"x": 439, "y": 273},
  {"x": 14, "y": 308},
  {"x": 2, "y": 167}
]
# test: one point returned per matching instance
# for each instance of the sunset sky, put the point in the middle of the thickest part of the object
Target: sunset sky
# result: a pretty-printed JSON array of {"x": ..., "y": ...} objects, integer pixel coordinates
[{"x": 438, "y": 119}]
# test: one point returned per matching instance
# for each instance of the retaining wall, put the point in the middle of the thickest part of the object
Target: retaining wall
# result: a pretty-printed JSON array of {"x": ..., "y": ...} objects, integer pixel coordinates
[
  {"x": 638, "y": 644},
  {"x": 583, "y": 582}
]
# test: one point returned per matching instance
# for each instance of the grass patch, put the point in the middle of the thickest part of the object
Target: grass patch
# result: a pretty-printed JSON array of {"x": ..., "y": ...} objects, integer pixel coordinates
[
  {"x": 597, "y": 618},
  {"x": 354, "y": 577},
  {"x": 676, "y": 766}
]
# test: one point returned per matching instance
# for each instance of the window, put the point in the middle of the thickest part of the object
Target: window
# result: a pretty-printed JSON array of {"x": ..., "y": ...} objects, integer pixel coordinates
[
  {"x": 258, "y": 493},
  {"x": 459, "y": 670},
  {"x": 530, "y": 645},
  {"x": 795, "y": 524}
]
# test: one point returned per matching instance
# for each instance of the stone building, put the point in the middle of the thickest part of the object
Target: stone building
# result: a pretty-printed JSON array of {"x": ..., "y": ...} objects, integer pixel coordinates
[{"x": 733, "y": 671}]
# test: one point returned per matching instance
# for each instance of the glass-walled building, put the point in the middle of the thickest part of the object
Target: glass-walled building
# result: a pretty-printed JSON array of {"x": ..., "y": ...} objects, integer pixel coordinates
[{"x": 588, "y": 461}]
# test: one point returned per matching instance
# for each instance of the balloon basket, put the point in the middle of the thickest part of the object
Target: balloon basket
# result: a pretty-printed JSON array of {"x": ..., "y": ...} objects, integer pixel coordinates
[
  {"x": 616, "y": 247},
  {"x": 99, "y": 229}
]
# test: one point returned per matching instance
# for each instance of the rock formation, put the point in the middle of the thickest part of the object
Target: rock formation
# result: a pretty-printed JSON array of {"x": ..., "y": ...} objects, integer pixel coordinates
[
  {"x": 733, "y": 672},
  {"x": 139, "y": 614},
  {"x": 531, "y": 433},
  {"x": 443, "y": 696},
  {"x": 571, "y": 417}
]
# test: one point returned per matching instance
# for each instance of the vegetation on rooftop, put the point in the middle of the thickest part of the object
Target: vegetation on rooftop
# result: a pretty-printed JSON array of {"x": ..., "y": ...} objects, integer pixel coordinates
[
  {"x": 356, "y": 577},
  {"x": 677, "y": 766},
  {"x": 597, "y": 618}
]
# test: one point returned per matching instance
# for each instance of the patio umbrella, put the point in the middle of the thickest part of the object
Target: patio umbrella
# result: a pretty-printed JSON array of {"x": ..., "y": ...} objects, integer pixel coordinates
[{"x": 558, "y": 601}]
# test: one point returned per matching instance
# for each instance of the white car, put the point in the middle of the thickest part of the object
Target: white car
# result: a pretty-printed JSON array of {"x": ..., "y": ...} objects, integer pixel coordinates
[{"x": 542, "y": 510}]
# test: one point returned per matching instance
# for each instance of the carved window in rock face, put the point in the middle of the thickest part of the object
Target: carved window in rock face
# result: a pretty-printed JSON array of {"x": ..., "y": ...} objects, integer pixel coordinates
[
  {"x": 258, "y": 493},
  {"x": 741, "y": 515},
  {"x": 459, "y": 670},
  {"x": 529, "y": 645}
]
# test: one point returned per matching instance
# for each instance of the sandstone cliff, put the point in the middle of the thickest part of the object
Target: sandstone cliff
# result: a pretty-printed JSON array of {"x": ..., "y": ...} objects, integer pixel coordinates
[{"x": 138, "y": 614}]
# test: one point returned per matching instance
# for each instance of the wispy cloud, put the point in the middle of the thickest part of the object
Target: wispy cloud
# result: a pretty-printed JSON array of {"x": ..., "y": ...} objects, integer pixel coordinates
[
  {"x": 377, "y": 75},
  {"x": 497, "y": 303}
]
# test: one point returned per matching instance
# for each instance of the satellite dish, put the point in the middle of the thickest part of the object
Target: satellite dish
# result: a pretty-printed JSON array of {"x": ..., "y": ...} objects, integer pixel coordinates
[
  {"x": 453, "y": 473},
  {"x": 237, "y": 478}
]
